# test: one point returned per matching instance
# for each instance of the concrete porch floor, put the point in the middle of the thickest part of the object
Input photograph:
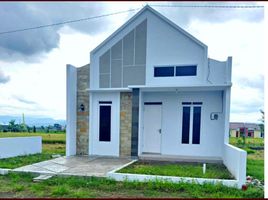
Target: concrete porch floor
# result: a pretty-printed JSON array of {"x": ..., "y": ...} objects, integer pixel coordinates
[{"x": 76, "y": 166}]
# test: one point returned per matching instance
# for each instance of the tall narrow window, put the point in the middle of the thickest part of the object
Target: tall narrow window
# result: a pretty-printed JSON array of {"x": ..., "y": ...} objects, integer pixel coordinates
[
  {"x": 185, "y": 125},
  {"x": 196, "y": 125},
  {"x": 105, "y": 123}
]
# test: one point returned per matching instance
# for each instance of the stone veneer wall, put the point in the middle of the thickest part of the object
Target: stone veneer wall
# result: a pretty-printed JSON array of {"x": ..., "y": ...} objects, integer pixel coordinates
[
  {"x": 82, "y": 130},
  {"x": 125, "y": 123}
]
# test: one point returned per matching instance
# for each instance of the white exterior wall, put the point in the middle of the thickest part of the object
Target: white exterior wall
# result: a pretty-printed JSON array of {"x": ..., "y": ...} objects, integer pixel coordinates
[
  {"x": 211, "y": 133},
  {"x": 71, "y": 94},
  {"x": 219, "y": 72},
  {"x": 104, "y": 148},
  {"x": 18, "y": 146},
  {"x": 235, "y": 160},
  {"x": 167, "y": 46}
]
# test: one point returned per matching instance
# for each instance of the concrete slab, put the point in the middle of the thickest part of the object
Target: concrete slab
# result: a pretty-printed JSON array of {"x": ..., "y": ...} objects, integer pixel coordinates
[
  {"x": 73, "y": 161},
  {"x": 55, "y": 167},
  {"x": 76, "y": 166},
  {"x": 42, "y": 178},
  {"x": 33, "y": 169},
  {"x": 4, "y": 171}
]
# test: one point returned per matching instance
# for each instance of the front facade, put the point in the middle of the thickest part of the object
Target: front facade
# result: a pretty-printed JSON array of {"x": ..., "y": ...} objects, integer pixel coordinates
[{"x": 150, "y": 89}]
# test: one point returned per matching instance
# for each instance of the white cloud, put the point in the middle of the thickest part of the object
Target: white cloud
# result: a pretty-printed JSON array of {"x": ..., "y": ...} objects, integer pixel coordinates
[
  {"x": 45, "y": 82},
  {"x": 244, "y": 41},
  {"x": 4, "y": 78}
]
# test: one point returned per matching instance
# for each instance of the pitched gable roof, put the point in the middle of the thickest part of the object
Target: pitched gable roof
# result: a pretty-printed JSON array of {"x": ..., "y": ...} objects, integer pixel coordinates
[{"x": 160, "y": 16}]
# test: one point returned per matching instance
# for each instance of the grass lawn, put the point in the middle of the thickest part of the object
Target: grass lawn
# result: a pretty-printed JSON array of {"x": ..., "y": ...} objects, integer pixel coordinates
[
  {"x": 51, "y": 144},
  {"x": 178, "y": 169},
  {"x": 255, "y": 164},
  {"x": 21, "y": 185}
]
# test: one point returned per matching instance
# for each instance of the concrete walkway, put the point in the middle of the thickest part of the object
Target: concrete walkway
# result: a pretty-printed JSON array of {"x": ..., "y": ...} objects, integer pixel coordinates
[{"x": 76, "y": 166}]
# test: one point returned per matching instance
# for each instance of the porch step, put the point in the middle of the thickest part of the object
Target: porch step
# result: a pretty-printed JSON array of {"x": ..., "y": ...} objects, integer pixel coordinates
[
  {"x": 171, "y": 158},
  {"x": 42, "y": 177}
]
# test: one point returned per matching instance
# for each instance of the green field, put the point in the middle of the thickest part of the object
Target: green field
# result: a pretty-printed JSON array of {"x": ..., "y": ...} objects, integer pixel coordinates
[{"x": 249, "y": 142}]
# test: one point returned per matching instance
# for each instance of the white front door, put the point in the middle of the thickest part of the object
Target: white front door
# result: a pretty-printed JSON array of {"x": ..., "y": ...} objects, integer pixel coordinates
[{"x": 152, "y": 128}]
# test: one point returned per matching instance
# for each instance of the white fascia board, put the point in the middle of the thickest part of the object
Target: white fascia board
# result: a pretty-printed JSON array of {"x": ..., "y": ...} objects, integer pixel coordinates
[
  {"x": 212, "y": 59},
  {"x": 180, "y": 86},
  {"x": 129, "y": 89},
  {"x": 110, "y": 90}
]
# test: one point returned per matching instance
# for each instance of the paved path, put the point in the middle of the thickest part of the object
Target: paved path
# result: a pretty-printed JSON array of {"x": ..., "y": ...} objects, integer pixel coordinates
[{"x": 76, "y": 166}]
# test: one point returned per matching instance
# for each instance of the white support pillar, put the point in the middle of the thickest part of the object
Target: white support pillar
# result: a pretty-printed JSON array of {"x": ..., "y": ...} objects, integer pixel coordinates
[
  {"x": 227, "y": 101},
  {"x": 71, "y": 92},
  {"x": 229, "y": 70}
]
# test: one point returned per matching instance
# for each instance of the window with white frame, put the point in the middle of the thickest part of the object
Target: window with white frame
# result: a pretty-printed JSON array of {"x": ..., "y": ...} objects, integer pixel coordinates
[
  {"x": 172, "y": 71},
  {"x": 191, "y": 115}
]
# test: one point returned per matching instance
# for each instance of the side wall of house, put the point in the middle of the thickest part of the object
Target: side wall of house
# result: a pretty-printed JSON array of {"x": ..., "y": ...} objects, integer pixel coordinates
[
  {"x": 71, "y": 79},
  {"x": 82, "y": 126}
]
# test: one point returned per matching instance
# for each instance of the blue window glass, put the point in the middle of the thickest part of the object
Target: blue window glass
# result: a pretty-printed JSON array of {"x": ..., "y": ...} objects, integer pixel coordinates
[
  {"x": 197, "y": 103},
  {"x": 185, "y": 125},
  {"x": 196, "y": 125},
  {"x": 186, "y": 70},
  {"x": 163, "y": 71},
  {"x": 186, "y": 103},
  {"x": 105, "y": 124}
]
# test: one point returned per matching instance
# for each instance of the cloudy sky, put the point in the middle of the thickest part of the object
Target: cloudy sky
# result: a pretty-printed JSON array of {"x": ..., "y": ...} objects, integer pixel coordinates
[{"x": 33, "y": 63}]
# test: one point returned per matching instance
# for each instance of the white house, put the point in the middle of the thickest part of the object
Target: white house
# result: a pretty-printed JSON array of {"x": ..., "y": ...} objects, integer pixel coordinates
[{"x": 151, "y": 90}]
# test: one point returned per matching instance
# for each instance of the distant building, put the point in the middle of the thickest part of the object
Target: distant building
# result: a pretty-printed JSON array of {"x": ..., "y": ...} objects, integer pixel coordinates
[{"x": 250, "y": 129}]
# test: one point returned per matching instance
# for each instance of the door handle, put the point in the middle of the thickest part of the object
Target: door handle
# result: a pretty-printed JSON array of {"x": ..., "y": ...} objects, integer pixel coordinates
[{"x": 160, "y": 131}]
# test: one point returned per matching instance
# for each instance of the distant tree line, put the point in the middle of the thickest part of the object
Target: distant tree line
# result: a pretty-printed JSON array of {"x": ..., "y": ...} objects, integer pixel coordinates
[{"x": 15, "y": 127}]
